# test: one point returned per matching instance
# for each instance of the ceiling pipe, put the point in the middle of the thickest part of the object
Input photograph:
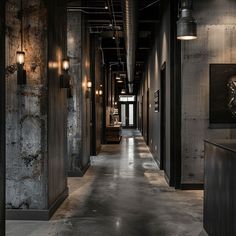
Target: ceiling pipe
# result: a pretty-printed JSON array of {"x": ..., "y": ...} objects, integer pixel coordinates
[{"x": 130, "y": 28}]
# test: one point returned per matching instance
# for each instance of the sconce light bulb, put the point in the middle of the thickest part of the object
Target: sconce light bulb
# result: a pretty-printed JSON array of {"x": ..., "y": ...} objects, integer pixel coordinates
[
  {"x": 123, "y": 91},
  {"x": 97, "y": 92},
  {"x": 100, "y": 92},
  {"x": 66, "y": 64},
  {"x": 20, "y": 58},
  {"x": 89, "y": 84}
]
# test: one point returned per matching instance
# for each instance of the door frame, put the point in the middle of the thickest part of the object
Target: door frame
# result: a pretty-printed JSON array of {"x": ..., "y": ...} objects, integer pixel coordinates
[
  {"x": 127, "y": 114},
  {"x": 163, "y": 117}
]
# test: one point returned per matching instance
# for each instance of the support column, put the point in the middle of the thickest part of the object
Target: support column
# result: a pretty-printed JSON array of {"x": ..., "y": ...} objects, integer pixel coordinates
[{"x": 36, "y": 112}]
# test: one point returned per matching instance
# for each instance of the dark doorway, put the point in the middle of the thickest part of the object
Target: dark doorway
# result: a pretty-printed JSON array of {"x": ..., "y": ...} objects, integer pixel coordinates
[
  {"x": 128, "y": 114},
  {"x": 142, "y": 116},
  {"x": 163, "y": 118},
  {"x": 147, "y": 141}
]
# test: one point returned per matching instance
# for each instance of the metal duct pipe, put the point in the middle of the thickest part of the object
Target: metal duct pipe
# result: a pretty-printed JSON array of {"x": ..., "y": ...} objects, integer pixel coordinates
[
  {"x": 131, "y": 87},
  {"x": 130, "y": 28}
]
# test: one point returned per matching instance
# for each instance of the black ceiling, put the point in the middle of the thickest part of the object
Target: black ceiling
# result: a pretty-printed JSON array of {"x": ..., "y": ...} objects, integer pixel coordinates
[{"x": 100, "y": 20}]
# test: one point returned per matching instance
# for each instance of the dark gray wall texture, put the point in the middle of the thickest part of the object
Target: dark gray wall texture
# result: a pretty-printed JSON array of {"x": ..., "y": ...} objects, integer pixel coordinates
[
  {"x": 2, "y": 118},
  {"x": 159, "y": 55},
  {"x": 57, "y": 109}
]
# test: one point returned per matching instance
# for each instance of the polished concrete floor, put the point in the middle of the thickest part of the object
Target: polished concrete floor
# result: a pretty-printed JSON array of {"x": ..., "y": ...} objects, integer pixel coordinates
[{"x": 123, "y": 193}]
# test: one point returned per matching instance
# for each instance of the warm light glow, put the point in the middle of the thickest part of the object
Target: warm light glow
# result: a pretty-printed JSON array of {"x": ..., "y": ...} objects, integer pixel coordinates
[
  {"x": 187, "y": 37},
  {"x": 20, "y": 57},
  {"x": 65, "y": 64},
  {"x": 97, "y": 92},
  {"x": 52, "y": 64},
  {"x": 119, "y": 81},
  {"x": 89, "y": 84},
  {"x": 118, "y": 77},
  {"x": 123, "y": 91},
  {"x": 100, "y": 92}
]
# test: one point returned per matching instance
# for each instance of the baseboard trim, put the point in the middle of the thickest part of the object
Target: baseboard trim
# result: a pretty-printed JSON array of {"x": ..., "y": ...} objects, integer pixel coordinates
[
  {"x": 192, "y": 186},
  {"x": 37, "y": 215},
  {"x": 79, "y": 173}
]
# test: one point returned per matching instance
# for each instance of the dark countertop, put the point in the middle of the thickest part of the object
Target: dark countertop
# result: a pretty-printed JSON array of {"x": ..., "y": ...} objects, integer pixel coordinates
[{"x": 228, "y": 144}]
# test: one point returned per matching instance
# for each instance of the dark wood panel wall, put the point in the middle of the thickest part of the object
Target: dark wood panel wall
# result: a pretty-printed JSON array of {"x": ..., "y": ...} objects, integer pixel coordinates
[
  {"x": 85, "y": 100},
  {"x": 97, "y": 101},
  {"x": 2, "y": 118},
  {"x": 57, "y": 100}
]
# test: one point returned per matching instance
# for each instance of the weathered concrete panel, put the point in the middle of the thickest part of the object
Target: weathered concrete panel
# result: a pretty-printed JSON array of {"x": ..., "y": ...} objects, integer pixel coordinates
[
  {"x": 74, "y": 125},
  {"x": 26, "y": 121},
  {"x": 216, "y": 43}
]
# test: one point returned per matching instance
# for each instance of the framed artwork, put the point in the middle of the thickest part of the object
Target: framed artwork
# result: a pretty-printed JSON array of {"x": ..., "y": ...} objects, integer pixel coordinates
[
  {"x": 222, "y": 95},
  {"x": 157, "y": 101}
]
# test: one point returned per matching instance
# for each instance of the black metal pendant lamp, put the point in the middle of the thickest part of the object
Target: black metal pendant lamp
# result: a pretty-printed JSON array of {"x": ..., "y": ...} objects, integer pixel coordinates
[{"x": 186, "y": 25}]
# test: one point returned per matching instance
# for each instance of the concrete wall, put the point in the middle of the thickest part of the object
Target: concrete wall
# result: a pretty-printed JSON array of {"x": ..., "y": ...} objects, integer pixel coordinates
[
  {"x": 74, "y": 131},
  {"x": 2, "y": 119},
  {"x": 215, "y": 44},
  {"x": 36, "y": 113},
  {"x": 26, "y": 108}
]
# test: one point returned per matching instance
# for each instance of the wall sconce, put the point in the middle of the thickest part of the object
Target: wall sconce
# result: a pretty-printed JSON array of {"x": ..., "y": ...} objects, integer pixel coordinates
[
  {"x": 21, "y": 73},
  {"x": 100, "y": 92},
  {"x": 89, "y": 85},
  {"x": 186, "y": 25},
  {"x": 20, "y": 55},
  {"x": 97, "y": 92},
  {"x": 65, "y": 78}
]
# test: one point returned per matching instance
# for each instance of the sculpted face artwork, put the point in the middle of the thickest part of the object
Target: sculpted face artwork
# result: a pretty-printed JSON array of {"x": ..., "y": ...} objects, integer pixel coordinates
[{"x": 232, "y": 95}]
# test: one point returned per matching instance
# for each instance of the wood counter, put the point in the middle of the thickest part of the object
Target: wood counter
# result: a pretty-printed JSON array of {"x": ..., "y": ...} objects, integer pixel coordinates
[
  {"x": 220, "y": 188},
  {"x": 113, "y": 134}
]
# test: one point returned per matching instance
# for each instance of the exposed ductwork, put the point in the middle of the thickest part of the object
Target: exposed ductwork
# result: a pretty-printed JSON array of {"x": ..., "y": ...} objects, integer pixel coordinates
[{"x": 130, "y": 29}]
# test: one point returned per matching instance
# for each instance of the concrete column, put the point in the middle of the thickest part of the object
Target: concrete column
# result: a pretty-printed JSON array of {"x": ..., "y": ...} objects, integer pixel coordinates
[
  {"x": 79, "y": 104},
  {"x": 36, "y": 112}
]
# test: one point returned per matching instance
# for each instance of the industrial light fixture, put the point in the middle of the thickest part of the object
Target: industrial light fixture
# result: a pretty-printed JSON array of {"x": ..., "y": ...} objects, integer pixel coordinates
[
  {"x": 106, "y": 7},
  {"x": 89, "y": 85},
  {"x": 123, "y": 91},
  {"x": 186, "y": 25},
  {"x": 20, "y": 55},
  {"x": 65, "y": 78}
]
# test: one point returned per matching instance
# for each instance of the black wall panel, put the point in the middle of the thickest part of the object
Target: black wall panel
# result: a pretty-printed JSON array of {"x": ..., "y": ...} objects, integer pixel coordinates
[{"x": 57, "y": 107}]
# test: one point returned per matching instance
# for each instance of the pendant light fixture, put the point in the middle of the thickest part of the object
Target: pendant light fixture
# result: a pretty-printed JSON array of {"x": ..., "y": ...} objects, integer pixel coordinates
[
  {"x": 20, "y": 55},
  {"x": 186, "y": 25}
]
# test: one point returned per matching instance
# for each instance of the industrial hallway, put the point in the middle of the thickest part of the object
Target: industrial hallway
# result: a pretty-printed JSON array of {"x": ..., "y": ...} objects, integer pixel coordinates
[{"x": 122, "y": 193}]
